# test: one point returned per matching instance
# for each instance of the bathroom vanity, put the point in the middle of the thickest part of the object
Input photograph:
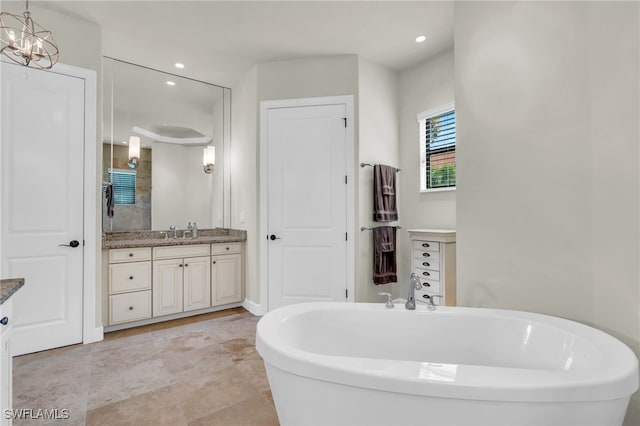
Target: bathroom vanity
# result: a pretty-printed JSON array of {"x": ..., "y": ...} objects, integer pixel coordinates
[
  {"x": 150, "y": 277},
  {"x": 433, "y": 259},
  {"x": 7, "y": 289}
]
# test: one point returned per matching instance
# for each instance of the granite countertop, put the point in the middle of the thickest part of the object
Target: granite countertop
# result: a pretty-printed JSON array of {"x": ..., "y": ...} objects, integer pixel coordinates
[
  {"x": 115, "y": 240},
  {"x": 9, "y": 287}
]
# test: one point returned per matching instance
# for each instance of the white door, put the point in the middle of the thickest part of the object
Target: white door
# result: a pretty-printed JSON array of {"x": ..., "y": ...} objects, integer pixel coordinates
[
  {"x": 307, "y": 210},
  {"x": 42, "y": 204}
]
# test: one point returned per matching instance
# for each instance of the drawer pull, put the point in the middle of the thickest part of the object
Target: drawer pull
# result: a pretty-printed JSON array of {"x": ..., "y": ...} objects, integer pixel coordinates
[
  {"x": 131, "y": 308},
  {"x": 425, "y": 245},
  {"x": 426, "y": 264},
  {"x": 131, "y": 277},
  {"x": 227, "y": 248},
  {"x": 426, "y": 285},
  {"x": 426, "y": 255},
  {"x": 130, "y": 254},
  {"x": 4, "y": 320},
  {"x": 426, "y": 274},
  {"x": 214, "y": 262}
]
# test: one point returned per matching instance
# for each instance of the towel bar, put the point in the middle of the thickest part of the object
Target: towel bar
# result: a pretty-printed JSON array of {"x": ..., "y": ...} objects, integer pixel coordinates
[
  {"x": 366, "y": 228},
  {"x": 371, "y": 165}
]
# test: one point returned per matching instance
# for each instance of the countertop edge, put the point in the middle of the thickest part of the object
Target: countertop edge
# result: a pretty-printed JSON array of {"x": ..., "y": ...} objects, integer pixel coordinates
[
  {"x": 117, "y": 244},
  {"x": 8, "y": 288}
]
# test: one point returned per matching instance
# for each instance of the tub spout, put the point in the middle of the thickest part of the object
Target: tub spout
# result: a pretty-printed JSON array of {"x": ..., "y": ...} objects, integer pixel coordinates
[{"x": 414, "y": 284}]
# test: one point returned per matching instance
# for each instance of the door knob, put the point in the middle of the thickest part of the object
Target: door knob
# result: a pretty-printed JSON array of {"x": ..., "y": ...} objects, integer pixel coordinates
[
  {"x": 273, "y": 237},
  {"x": 72, "y": 243}
]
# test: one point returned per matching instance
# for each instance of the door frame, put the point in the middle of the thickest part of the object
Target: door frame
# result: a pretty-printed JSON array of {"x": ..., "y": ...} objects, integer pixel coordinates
[
  {"x": 91, "y": 332},
  {"x": 263, "y": 254}
]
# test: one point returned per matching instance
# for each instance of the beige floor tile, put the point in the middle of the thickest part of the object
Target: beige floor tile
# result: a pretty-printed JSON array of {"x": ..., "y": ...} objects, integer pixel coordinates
[
  {"x": 201, "y": 398},
  {"x": 196, "y": 364},
  {"x": 251, "y": 412},
  {"x": 153, "y": 408},
  {"x": 252, "y": 366}
]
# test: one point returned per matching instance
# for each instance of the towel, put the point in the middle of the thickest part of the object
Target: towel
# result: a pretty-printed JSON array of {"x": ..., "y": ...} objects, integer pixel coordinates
[
  {"x": 108, "y": 193},
  {"x": 384, "y": 193},
  {"x": 384, "y": 255}
]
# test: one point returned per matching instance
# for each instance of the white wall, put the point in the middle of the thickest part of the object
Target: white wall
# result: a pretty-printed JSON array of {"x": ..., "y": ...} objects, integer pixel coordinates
[
  {"x": 547, "y": 98},
  {"x": 423, "y": 87},
  {"x": 378, "y": 135},
  {"x": 244, "y": 182}
]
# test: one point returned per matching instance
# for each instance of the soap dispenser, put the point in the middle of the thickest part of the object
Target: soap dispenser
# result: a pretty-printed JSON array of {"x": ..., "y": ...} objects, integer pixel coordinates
[{"x": 195, "y": 230}]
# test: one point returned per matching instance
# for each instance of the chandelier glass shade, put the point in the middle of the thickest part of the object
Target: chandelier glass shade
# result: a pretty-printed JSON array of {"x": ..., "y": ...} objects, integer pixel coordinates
[{"x": 25, "y": 42}]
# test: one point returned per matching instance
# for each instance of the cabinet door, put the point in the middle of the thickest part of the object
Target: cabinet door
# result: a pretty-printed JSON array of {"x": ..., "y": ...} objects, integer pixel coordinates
[
  {"x": 197, "y": 283},
  {"x": 226, "y": 279},
  {"x": 167, "y": 286}
]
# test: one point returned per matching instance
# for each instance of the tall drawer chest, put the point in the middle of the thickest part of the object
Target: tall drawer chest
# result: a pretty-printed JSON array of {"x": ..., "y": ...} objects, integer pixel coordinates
[{"x": 433, "y": 259}]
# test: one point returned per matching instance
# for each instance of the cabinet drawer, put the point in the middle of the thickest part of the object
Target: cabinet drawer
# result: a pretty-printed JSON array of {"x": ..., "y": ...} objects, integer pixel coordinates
[
  {"x": 422, "y": 255},
  {"x": 428, "y": 275},
  {"x": 421, "y": 293},
  {"x": 131, "y": 276},
  {"x": 174, "y": 252},
  {"x": 431, "y": 264},
  {"x": 130, "y": 254},
  {"x": 129, "y": 307},
  {"x": 226, "y": 248},
  {"x": 427, "y": 245},
  {"x": 430, "y": 285}
]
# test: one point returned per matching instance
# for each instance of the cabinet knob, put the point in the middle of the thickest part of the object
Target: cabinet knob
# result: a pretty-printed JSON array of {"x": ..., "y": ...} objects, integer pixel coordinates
[
  {"x": 227, "y": 248},
  {"x": 130, "y": 254},
  {"x": 186, "y": 264},
  {"x": 425, "y": 245},
  {"x": 131, "y": 277},
  {"x": 4, "y": 320},
  {"x": 214, "y": 262},
  {"x": 131, "y": 308},
  {"x": 180, "y": 265}
]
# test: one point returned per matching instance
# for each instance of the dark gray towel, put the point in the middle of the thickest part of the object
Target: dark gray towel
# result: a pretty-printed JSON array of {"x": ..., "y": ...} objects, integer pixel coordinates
[
  {"x": 108, "y": 193},
  {"x": 384, "y": 193},
  {"x": 384, "y": 255}
]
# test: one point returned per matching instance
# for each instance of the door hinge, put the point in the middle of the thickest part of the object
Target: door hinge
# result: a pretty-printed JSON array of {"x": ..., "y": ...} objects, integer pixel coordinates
[
  {"x": 346, "y": 294},
  {"x": 345, "y": 179},
  {"x": 345, "y": 121},
  {"x": 346, "y": 236}
]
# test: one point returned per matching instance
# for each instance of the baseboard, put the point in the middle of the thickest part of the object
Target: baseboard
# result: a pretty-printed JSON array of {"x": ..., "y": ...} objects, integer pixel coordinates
[
  {"x": 252, "y": 307},
  {"x": 94, "y": 335}
]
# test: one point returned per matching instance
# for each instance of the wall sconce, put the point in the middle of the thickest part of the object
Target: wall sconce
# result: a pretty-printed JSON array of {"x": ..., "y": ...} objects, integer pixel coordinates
[
  {"x": 209, "y": 159},
  {"x": 134, "y": 151}
]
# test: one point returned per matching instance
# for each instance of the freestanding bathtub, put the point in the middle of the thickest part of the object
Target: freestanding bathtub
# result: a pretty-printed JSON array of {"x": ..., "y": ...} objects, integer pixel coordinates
[{"x": 362, "y": 364}]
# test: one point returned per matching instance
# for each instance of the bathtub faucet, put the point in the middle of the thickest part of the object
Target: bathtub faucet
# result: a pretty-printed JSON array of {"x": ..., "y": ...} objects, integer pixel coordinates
[{"x": 414, "y": 284}]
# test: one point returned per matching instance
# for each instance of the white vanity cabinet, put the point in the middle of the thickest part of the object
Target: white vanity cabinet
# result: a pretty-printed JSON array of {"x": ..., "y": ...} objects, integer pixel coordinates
[
  {"x": 129, "y": 284},
  {"x": 181, "y": 279},
  {"x": 6, "y": 361},
  {"x": 226, "y": 273},
  {"x": 433, "y": 259}
]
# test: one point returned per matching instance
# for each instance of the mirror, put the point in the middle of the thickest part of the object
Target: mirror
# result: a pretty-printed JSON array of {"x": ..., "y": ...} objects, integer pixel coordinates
[{"x": 173, "y": 119}]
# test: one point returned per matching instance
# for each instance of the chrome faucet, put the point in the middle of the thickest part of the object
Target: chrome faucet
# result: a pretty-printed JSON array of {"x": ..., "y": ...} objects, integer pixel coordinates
[
  {"x": 389, "y": 304},
  {"x": 414, "y": 284},
  {"x": 431, "y": 305},
  {"x": 174, "y": 230}
]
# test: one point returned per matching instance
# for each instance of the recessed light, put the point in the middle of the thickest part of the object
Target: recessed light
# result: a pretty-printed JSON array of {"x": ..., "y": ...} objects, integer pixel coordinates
[
  {"x": 171, "y": 83},
  {"x": 420, "y": 39},
  {"x": 179, "y": 65}
]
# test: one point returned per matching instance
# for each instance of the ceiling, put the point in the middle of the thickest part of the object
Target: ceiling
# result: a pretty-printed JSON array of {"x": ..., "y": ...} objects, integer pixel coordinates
[{"x": 220, "y": 41}]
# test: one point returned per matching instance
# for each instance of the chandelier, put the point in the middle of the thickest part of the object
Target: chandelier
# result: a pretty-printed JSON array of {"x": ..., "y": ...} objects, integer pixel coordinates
[{"x": 25, "y": 42}]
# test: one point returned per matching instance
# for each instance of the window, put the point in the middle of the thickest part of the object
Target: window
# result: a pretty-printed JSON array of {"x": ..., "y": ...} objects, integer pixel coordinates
[
  {"x": 438, "y": 149},
  {"x": 124, "y": 186}
]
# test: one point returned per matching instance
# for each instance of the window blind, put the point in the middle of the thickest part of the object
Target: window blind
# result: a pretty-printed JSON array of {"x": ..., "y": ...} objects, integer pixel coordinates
[
  {"x": 440, "y": 145},
  {"x": 124, "y": 186}
]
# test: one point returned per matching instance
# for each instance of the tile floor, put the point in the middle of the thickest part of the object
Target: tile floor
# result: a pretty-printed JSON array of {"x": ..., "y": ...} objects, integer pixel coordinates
[{"x": 201, "y": 370}]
